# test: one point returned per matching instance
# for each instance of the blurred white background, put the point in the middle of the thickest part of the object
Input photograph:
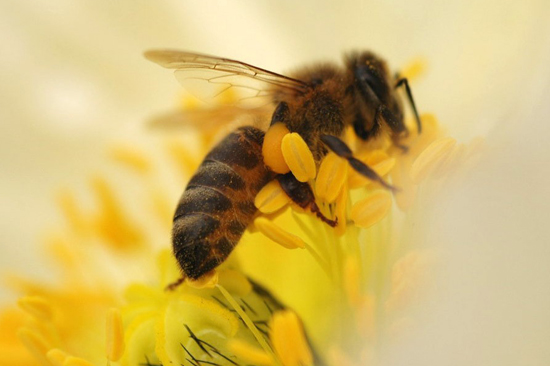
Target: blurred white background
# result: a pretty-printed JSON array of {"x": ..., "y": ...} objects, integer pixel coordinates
[{"x": 72, "y": 79}]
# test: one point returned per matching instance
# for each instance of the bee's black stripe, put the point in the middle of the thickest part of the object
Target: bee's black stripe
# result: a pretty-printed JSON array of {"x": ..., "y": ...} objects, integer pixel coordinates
[
  {"x": 218, "y": 175},
  {"x": 202, "y": 199},
  {"x": 237, "y": 149}
]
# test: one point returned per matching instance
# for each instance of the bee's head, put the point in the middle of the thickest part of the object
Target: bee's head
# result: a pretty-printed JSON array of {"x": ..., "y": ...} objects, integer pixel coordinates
[{"x": 373, "y": 88}]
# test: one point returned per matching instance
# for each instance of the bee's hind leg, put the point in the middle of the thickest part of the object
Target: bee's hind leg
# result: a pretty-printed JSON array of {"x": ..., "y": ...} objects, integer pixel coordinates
[
  {"x": 340, "y": 148},
  {"x": 174, "y": 285},
  {"x": 301, "y": 194}
]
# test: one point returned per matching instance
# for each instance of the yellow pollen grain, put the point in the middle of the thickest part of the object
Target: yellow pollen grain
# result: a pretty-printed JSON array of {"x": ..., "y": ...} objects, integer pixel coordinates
[
  {"x": 372, "y": 209},
  {"x": 298, "y": 157},
  {"x": 331, "y": 177},
  {"x": 36, "y": 306},
  {"x": 248, "y": 353},
  {"x": 271, "y": 198},
  {"x": 115, "y": 335},
  {"x": 56, "y": 357},
  {"x": 207, "y": 280},
  {"x": 35, "y": 344},
  {"x": 131, "y": 157},
  {"x": 430, "y": 158},
  {"x": 76, "y": 361},
  {"x": 288, "y": 339},
  {"x": 278, "y": 235},
  {"x": 271, "y": 148}
]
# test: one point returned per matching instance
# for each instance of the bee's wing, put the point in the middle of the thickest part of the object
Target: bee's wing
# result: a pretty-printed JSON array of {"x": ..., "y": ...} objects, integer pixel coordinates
[
  {"x": 211, "y": 119},
  {"x": 218, "y": 79}
]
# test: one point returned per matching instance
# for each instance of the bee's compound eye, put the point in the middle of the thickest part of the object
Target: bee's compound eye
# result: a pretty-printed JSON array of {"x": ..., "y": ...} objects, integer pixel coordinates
[{"x": 271, "y": 149}]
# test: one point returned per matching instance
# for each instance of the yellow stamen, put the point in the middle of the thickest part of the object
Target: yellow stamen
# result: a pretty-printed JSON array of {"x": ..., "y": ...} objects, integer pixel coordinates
[
  {"x": 115, "y": 335},
  {"x": 271, "y": 149},
  {"x": 248, "y": 353},
  {"x": 372, "y": 209},
  {"x": 113, "y": 223},
  {"x": 341, "y": 210},
  {"x": 288, "y": 339},
  {"x": 73, "y": 214},
  {"x": 450, "y": 162},
  {"x": 271, "y": 198},
  {"x": 207, "y": 280},
  {"x": 298, "y": 157},
  {"x": 56, "y": 356},
  {"x": 235, "y": 282},
  {"x": 260, "y": 338},
  {"x": 76, "y": 361},
  {"x": 131, "y": 157},
  {"x": 351, "y": 281},
  {"x": 36, "y": 306},
  {"x": 431, "y": 158},
  {"x": 35, "y": 343},
  {"x": 278, "y": 235},
  {"x": 331, "y": 177}
]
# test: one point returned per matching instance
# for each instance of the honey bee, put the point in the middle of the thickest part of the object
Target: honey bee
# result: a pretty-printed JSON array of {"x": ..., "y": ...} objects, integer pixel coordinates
[{"x": 317, "y": 102}]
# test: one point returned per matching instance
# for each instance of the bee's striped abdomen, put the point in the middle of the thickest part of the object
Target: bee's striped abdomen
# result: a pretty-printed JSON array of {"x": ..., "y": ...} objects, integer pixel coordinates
[{"x": 218, "y": 203}]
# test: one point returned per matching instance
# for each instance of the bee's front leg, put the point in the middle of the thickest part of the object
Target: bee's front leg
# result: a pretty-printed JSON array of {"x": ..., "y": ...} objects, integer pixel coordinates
[
  {"x": 340, "y": 148},
  {"x": 301, "y": 194}
]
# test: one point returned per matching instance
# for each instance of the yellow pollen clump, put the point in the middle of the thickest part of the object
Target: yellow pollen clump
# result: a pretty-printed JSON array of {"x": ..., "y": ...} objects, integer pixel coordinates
[
  {"x": 431, "y": 158},
  {"x": 36, "y": 306},
  {"x": 271, "y": 198},
  {"x": 248, "y": 353},
  {"x": 372, "y": 209},
  {"x": 56, "y": 357},
  {"x": 115, "y": 335},
  {"x": 278, "y": 235},
  {"x": 298, "y": 157},
  {"x": 288, "y": 339},
  {"x": 271, "y": 149},
  {"x": 331, "y": 177}
]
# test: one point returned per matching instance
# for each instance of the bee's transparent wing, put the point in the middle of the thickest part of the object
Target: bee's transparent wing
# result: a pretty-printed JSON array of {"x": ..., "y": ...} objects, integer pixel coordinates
[
  {"x": 219, "y": 80},
  {"x": 211, "y": 119}
]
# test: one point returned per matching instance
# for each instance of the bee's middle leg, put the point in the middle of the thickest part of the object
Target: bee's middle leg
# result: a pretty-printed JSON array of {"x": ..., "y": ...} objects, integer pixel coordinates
[{"x": 301, "y": 194}]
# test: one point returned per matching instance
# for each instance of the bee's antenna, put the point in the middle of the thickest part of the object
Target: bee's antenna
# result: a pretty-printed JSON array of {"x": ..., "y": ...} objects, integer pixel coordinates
[{"x": 405, "y": 81}]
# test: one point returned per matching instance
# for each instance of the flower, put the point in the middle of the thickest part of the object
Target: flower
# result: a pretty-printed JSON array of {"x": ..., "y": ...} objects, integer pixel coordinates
[
  {"x": 367, "y": 270},
  {"x": 482, "y": 94}
]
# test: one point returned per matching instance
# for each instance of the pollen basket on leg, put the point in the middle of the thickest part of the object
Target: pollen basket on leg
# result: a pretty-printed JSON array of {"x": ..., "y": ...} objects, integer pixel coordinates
[{"x": 271, "y": 148}]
